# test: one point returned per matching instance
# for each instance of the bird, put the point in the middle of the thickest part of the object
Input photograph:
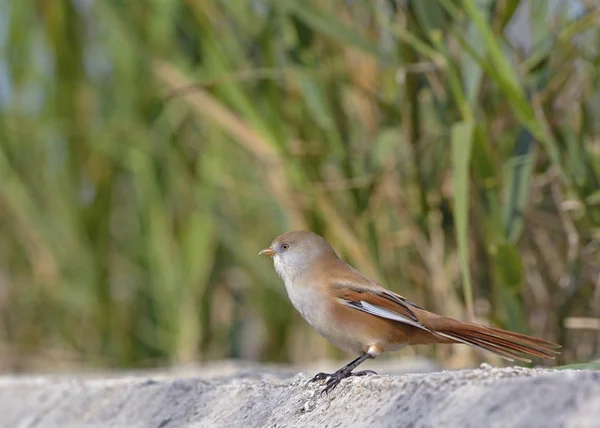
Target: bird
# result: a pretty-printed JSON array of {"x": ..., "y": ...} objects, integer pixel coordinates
[{"x": 359, "y": 315}]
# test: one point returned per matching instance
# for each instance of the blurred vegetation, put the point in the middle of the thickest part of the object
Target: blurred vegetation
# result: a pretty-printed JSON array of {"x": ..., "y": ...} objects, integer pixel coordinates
[{"x": 149, "y": 149}]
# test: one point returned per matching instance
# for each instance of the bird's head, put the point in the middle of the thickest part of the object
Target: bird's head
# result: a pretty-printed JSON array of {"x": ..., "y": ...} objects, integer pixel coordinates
[{"x": 296, "y": 252}]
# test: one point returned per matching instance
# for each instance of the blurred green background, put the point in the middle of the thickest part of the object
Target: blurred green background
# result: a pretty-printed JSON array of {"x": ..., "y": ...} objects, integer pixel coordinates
[{"x": 149, "y": 149}]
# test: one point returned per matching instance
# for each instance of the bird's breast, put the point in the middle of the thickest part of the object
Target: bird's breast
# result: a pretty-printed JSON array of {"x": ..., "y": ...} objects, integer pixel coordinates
[
  {"x": 316, "y": 308},
  {"x": 310, "y": 303}
]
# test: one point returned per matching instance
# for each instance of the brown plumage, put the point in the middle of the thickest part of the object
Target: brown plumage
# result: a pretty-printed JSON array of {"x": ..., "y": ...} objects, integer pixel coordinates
[{"x": 356, "y": 313}]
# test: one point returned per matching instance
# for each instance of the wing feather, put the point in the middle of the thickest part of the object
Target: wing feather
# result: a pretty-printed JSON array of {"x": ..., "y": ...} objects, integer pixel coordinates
[
  {"x": 380, "y": 303},
  {"x": 381, "y": 312}
]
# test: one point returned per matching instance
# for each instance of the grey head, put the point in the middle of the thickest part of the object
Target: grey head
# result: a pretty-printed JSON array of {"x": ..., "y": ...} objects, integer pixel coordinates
[{"x": 295, "y": 253}]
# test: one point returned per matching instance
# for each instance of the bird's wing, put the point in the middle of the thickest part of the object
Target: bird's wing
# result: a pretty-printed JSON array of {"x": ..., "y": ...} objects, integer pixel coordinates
[{"x": 376, "y": 301}]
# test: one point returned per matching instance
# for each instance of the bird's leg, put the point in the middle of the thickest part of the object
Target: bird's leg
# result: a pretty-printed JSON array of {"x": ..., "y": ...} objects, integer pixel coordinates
[{"x": 344, "y": 372}]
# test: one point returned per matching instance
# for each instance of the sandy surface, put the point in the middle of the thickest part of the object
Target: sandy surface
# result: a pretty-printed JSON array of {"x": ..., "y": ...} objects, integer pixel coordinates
[{"x": 253, "y": 396}]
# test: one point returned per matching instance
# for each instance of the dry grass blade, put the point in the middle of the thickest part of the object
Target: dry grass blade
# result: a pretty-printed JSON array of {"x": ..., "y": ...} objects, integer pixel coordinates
[{"x": 208, "y": 107}]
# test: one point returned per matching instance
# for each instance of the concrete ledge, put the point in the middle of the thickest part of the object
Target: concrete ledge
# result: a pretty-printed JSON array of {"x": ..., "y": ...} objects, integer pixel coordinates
[{"x": 485, "y": 397}]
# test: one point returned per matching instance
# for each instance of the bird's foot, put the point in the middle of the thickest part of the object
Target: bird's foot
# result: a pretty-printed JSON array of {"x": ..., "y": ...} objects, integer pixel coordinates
[
  {"x": 320, "y": 376},
  {"x": 334, "y": 379}
]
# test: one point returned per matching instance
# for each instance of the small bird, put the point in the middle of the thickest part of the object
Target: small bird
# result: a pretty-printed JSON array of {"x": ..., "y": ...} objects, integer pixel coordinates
[{"x": 357, "y": 314}]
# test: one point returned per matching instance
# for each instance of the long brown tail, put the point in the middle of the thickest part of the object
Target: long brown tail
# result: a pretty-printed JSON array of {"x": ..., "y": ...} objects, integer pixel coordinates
[{"x": 506, "y": 344}]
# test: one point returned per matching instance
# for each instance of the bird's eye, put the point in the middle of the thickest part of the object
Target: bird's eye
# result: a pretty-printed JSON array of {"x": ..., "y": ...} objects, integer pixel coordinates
[{"x": 285, "y": 246}]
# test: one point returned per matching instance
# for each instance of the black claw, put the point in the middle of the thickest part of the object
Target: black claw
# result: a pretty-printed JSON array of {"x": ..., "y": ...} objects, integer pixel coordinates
[
  {"x": 334, "y": 380},
  {"x": 332, "y": 383},
  {"x": 320, "y": 376}
]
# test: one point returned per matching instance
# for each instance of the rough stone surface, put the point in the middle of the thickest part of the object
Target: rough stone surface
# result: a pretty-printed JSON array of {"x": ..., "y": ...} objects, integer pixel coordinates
[{"x": 251, "y": 396}]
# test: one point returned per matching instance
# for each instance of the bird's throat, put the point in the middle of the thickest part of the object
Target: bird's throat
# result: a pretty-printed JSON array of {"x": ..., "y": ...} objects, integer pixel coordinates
[{"x": 282, "y": 270}]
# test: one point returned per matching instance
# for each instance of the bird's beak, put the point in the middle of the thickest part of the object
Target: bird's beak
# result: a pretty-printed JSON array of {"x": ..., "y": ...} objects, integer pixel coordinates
[{"x": 267, "y": 252}]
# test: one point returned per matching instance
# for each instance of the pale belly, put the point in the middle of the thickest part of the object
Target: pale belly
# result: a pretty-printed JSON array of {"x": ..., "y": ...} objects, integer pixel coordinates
[{"x": 314, "y": 308}]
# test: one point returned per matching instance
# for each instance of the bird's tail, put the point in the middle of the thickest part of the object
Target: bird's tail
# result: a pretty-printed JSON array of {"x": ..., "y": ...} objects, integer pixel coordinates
[{"x": 506, "y": 344}]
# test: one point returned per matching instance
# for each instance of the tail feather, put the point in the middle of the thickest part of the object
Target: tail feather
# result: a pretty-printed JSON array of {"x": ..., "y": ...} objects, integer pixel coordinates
[
  {"x": 503, "y": 343},
  {"x": 486, "y": 346},
  {"x": 523, "y": 337},
  {"x": 520, "y": 344}
]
